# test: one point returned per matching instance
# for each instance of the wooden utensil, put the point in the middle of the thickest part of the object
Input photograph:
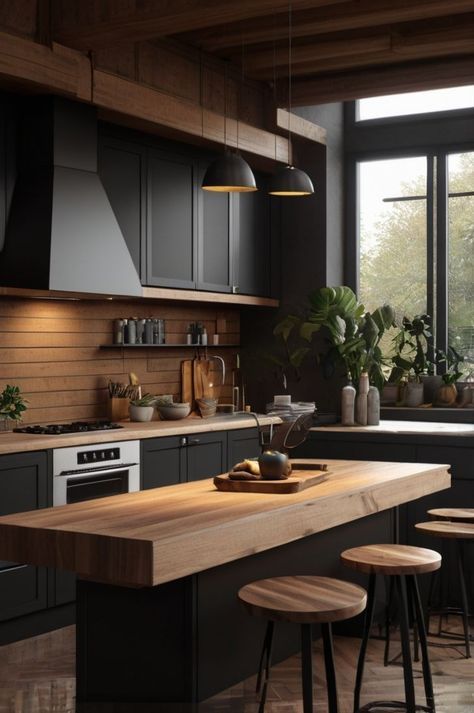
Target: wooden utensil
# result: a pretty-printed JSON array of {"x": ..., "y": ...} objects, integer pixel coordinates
[
  {"x": 187, "y": 394},
  {"x": 293, "y": 484}
]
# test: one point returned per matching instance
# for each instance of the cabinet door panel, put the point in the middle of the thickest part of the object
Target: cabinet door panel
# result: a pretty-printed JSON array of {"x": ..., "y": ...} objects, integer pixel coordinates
[
  {"x": 206, "y": 455},
  {"x": 252, "y": 228},
  {"x": 242, "y": 444},
  {"x": 23, "y": 487},
  {"x": 214, "y": 241},
  {"x": 171, "y": 221},
  {"x": 121, "y": 170},
  {"x": 163, "y": 462}
]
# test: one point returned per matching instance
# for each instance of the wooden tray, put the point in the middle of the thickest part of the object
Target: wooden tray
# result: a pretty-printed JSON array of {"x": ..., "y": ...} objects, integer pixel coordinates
[{"x": 294, "y": 484}]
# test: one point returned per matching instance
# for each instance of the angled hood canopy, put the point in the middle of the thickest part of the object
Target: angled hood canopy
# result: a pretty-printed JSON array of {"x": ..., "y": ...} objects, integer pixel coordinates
[{"x": 62, "y": 233}]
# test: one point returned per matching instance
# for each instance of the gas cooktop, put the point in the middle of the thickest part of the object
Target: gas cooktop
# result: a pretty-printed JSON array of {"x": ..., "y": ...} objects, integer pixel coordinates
[{"x": 58, "y": 429}]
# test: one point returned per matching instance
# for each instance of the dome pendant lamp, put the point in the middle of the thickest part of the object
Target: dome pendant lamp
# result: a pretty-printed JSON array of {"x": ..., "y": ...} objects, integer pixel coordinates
[
  {"x": 290, "y": 181},
  {"x": 229, "y": 173}
]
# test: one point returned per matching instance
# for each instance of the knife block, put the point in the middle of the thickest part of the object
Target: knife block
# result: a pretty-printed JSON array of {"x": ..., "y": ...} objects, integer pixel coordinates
[{"x": 118, "y": 409}]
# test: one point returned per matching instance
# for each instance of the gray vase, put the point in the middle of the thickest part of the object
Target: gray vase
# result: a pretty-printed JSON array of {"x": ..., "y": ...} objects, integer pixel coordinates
[
  {"x": 431, "y": 384},
  {"x": 413, "y": 394}
]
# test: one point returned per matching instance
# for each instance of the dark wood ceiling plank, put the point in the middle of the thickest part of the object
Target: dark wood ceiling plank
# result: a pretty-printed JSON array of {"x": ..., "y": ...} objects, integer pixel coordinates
[
  {"x": 418, "y": 41},
  {"x": 317, "y": 21},
  {"x": 371, "y": 82},
  {"x": 86, "y": 24}
]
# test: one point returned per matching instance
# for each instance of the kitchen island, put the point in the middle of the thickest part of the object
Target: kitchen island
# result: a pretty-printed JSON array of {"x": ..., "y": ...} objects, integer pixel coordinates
[{"x": 157, "y": 618}]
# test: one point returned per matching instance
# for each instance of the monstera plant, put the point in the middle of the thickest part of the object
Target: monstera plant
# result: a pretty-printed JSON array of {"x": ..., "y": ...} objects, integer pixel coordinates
[{"x": 353, "y": 335}]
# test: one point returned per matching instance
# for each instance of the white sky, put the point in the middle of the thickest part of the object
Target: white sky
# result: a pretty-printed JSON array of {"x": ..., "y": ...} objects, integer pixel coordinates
[{"x": 383, "y": 179}]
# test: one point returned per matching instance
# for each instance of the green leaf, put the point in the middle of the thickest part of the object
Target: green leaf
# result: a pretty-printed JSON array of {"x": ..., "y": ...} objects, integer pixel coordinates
[
  {"x": 307, "y": 330},
  {"x": 286, "y": 326},
  {"x": 298, "y": 356}
]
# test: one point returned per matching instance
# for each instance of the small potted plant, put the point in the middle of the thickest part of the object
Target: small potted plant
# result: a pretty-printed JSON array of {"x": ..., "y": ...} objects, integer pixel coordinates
[
  {"x": 142, "y": 409},
  {"x": 12, "y": 407},
  {"x": 448, "y": 393},
  {"x": 411, "y": 358}
]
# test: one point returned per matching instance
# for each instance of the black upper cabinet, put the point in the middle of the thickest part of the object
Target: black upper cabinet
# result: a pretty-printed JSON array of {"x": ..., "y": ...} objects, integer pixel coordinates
[
  {"x": 215, "y": 252},
  {"x": 252, "y": 226},
  {"x": 180, "y": 236},
  {"x": 121, "y": 168},
  {"x": 23, "y": 487},
  {"x": 171, "y": 220}
]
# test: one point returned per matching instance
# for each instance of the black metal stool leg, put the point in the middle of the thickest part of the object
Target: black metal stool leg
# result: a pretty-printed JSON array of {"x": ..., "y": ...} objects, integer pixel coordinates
[
  {"x": 326, "y": 631},
  {"x": 427, "y": 680},
  {"x": 411, "y": 608},
  {"x": 264, "y": 655},
  {"x": 406, "y": 649},
  {"x": 464, "y": 598},
  {"x": 388, "y": 609},
  {"x": 267, "y": 656},
  {"x": 369, "y": 615},
  {"x": 429, "y": 601},
  {"x": 307, "y": 667}
]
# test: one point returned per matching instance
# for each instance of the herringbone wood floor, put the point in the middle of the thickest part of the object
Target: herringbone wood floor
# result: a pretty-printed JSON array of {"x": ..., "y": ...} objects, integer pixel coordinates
[{"x": 37, "y": 676}]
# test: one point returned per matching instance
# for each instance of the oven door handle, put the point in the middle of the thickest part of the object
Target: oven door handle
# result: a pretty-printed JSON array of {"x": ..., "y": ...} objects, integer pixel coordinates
[
  {"x": 95, "y": 473},
  {"x": 93, "y": 482}
]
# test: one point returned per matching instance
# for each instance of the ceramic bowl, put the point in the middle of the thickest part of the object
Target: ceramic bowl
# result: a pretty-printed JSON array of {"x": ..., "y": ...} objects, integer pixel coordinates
[
  {"x": 141, "y": 413},
  {"x": 173, "y": 412}
]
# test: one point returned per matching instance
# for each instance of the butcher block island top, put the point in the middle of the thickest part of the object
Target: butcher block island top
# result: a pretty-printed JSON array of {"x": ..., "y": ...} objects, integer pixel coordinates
[{"x": 155, "y": 536}]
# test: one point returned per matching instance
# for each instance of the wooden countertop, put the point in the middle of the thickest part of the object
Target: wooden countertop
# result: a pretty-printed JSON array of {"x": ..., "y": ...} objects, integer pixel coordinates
[
  {"x": 405, "y": 427},
  {"x": 155, "y": 536},
  {"x": 20, "y": 442}
]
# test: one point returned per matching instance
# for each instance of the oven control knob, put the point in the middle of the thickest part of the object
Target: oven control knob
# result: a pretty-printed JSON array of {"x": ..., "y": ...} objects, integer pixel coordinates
[
  {"x": 102, "y": 455},
  {"x": 85, "y": 458},
  {"x": 94, "y": 455}
]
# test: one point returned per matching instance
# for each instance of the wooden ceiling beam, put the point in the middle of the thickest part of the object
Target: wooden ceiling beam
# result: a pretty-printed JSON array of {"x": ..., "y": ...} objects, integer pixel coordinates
[
  {"x": 349, "y": 15},
  {"x": 86, "y": 24},
  {"x": 26, "y": 64},
  {"x": 422, "y": 42},
  {"x": 380, "y": 81}
]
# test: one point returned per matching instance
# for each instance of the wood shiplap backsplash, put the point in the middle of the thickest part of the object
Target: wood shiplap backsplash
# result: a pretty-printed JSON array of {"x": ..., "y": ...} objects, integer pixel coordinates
[{"x": 50, "y": 349}]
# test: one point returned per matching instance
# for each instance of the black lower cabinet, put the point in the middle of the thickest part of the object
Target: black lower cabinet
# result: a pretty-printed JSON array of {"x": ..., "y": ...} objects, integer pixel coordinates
[
  {"x": 163, "y": 462},
  {"x": 206, "y": 455},
  {"x": 184, "y": 641},
  {"x": 23, "y": 487},
  {"x": 241, "y": 444}
]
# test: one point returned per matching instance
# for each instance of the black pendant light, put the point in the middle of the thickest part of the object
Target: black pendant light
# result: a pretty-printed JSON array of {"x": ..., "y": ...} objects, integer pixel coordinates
[
  {"x": 290, "y": 181},
  {"x": 229, "y": 173}
]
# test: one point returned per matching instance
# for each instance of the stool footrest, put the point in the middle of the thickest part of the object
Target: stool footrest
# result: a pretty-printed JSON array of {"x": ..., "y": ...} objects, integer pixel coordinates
[{"x": 390, "y": 705}]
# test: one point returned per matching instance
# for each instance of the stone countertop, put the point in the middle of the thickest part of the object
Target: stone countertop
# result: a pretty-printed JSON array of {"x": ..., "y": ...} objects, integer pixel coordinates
[
  {"x": 155, "y": 536},
  {"x": 21, "y": 442},
  {"x": 403, "y": 427}
]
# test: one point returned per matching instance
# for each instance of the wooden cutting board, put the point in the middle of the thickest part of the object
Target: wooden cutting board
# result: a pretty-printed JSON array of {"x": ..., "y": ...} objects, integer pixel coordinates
[
  {"x": 187, "y": 395},
  {"x": 201, "y": 379},
  {"x": 293, "y": 484}
]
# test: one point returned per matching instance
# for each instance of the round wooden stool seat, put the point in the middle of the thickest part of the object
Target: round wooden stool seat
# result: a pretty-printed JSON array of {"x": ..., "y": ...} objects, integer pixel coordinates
[
  {"x": 391, "y": 559},
  {"x": 303, "y": 599},
  {"x": 444, "y": 528},
  {"x": 452, "y": 514}
]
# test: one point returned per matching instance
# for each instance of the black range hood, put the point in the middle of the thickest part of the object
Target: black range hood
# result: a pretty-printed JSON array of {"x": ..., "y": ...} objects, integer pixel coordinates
[{"x": 62, "y": 233}]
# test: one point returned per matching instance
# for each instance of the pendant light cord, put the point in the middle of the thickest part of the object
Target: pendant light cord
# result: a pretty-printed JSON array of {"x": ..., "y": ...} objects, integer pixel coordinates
[{"x": 290, "y": 157}]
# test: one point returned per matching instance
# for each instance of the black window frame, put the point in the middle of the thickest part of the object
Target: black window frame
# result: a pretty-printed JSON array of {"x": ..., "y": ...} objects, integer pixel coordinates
[{"x": 404, "y": 137}]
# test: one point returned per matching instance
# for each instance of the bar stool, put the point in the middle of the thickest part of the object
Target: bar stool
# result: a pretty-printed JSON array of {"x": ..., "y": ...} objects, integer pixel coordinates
[
  {"x": 461, "y": 532},
  {"x": 452, "y": 514},
  {"x": 402, "y": 562},
  {"x": 303, "y": 600}
]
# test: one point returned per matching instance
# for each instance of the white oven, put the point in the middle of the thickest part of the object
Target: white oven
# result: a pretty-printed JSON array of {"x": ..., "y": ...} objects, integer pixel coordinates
[{"x": 95, "y": 471}]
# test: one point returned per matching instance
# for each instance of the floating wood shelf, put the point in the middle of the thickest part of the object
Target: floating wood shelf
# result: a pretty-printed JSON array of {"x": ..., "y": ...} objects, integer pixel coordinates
[{"x": 167, "y": 346}]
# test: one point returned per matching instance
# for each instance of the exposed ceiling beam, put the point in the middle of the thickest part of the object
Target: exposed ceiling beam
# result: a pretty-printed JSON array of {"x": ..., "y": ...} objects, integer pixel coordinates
[
  {"x": 347, "y": 86},
  {"x": 417, "y": 42},
  {"x": 349, "y": 15},
  {"x": 86, "y": 24}
]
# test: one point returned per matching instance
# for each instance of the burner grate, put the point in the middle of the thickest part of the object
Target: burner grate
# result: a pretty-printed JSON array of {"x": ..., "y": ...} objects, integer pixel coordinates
[{"x": 59, "y": 429}]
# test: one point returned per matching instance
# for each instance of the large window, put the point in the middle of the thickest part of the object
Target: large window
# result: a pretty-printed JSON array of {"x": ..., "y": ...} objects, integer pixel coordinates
[{"x": 416, "y": 241}]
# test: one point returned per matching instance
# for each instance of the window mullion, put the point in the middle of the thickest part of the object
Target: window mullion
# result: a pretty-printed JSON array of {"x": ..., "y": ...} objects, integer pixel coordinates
[
  {"x": 442, "y": 253},
  {"x": 431, "y": 242}
]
